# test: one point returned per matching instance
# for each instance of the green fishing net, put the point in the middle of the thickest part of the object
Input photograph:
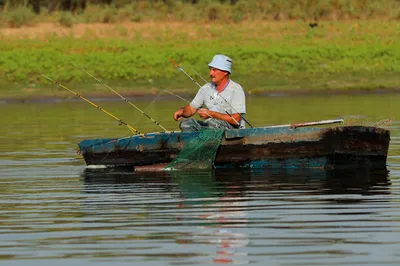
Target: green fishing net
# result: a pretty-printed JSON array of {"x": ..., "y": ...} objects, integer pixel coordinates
[{"x": 199, "y": 153}]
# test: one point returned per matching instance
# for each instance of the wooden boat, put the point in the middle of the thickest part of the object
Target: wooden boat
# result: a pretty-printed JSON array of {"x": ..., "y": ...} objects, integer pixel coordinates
[{"x": 284, "y": 146}]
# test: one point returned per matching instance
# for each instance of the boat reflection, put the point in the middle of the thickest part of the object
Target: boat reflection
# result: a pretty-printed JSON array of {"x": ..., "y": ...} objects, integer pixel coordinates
[
  {"x": 221, "y": 207},
  {"x": 335, "y": 181}
]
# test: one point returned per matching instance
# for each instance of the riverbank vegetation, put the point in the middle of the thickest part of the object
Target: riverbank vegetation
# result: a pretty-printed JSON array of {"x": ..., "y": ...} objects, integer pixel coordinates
[
  {"x": 17, "y": 13},
  {"x": 334, "y": 45}
]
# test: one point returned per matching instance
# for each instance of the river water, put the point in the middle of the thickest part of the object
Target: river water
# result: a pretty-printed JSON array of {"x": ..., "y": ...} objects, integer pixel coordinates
[{"x": 54, "y": 211}]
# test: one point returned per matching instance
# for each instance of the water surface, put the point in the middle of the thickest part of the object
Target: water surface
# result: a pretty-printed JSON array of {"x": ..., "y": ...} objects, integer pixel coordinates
[{"x": 55, "y": 211}]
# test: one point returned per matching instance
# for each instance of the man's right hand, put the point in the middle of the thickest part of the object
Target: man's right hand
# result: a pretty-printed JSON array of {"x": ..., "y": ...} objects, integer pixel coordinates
[
  {"x": 186, "y": 111},
  {"x": 178, "y": 114}
]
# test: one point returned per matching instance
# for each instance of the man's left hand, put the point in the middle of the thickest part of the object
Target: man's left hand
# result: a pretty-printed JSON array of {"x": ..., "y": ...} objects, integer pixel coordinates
[{"x": 205, "y": 113}]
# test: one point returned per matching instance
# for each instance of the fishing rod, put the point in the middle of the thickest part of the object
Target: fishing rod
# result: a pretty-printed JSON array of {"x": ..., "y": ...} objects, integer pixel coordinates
[
  {"x": 221, "y": 96},
  {"x": 192, "y": 79},
  {"x": 199, "y": 75},
  {"x": 122, "y": 97},
  {"x": 176, "y": 95},
  {"x": 307, "y": 124},
  {"x": 181, "y": 69},
  {"x": 95, "y": 105}
]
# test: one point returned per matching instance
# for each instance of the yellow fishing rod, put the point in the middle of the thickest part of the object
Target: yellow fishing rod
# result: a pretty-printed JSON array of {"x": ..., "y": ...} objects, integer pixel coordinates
[
  {"x": 95, "y": 105},
  {"x": 126, "y": 100}
]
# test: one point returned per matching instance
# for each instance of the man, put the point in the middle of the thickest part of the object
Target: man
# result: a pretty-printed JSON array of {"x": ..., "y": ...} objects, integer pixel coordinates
[{"x": 224, "y": 100}]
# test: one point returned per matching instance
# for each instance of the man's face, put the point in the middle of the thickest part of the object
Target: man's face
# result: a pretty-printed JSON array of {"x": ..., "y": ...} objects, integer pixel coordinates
[{"x": 217, "y": 75}]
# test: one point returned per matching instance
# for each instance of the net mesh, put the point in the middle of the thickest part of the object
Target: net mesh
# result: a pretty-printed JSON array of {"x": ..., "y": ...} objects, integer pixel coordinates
[{"x": 199, "y": 153}]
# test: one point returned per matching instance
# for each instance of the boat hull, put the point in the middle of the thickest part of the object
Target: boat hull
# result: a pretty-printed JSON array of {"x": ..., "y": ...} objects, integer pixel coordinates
[{"x": 274, "y": 147}]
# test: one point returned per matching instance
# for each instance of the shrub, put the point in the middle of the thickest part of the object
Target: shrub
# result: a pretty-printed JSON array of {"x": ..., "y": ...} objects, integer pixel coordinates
[
  {"x": 66, "y": 19},
  {"x": 110, "y": 15},
  {"x": 20, "y": 16},
  {"x": 214, "y": 12},
  {"x": 96, "y": 14}
]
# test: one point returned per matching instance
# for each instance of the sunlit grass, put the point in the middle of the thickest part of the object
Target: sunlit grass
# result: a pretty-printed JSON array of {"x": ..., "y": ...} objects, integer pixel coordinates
[{"x": 268, "y": 56}]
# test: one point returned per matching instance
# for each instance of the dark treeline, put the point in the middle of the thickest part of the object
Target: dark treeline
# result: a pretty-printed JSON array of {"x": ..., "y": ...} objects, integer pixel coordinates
[
  {"x": 74, "y": 5},
  {"x": 191, "y": 10}
]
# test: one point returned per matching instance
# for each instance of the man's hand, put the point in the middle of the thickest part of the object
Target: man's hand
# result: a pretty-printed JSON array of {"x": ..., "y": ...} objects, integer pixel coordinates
[
  {"x": 186, "y": 111},
  {"x": 205, "y": 113},
  {"x": 178, "y": 114}
]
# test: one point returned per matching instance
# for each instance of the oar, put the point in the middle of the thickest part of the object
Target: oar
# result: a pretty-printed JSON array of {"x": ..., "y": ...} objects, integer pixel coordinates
[
  {"x": 192, "y": 79},
  {"x": 307, "y": 124},
  {"x": 95, "y": 105},
  {"x": 122, "y": 97}
]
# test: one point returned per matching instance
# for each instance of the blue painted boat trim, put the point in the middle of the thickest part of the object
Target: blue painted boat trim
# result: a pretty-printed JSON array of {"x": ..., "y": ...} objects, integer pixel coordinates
[{"x": 273, "y": 147}]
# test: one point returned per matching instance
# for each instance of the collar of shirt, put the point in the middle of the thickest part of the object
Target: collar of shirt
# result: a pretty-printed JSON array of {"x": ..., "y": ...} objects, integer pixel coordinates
[{"x": 216, "y": 93}]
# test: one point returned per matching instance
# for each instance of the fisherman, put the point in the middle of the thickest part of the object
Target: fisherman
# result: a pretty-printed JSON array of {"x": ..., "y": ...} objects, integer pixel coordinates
[{"x": 224, "y": 101}]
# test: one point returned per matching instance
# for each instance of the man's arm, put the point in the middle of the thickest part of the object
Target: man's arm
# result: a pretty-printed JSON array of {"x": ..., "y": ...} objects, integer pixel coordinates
[
  {"x": 233, "y": 119},
  {"x": 186, "y": 111}
]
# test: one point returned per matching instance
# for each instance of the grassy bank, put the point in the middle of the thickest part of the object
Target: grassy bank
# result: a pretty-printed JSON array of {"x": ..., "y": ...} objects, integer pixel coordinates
[
  {"x": 17, "y": 13},
  {"x": 268, "y": 56}
]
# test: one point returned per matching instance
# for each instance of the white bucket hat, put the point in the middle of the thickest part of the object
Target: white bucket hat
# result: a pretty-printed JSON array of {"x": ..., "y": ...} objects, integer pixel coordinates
[{"x": 221, "y": 62}]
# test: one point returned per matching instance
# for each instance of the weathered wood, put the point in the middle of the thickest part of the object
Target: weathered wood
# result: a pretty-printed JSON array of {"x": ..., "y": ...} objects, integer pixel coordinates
[{"x": 280, "y": 147}]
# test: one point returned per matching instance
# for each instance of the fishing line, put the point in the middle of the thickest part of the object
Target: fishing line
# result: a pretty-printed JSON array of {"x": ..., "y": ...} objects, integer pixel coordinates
[
  {"x": 199, "y": 75},
  {"x": 176, "y": 95},
  {"x": 135, "y": 131},
  {"x": 122, "y": 97},
  {"x": 137, "y": 120},
  {"x": 185, "y": 101}
]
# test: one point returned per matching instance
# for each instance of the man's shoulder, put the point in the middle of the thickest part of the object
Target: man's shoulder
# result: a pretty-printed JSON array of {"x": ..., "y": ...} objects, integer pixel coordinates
[
  {"x": 234, "y": 85},
  {"x": 207, "y": 86}
]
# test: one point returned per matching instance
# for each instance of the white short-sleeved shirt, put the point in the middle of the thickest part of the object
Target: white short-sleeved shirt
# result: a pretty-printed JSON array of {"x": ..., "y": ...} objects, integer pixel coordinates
[{"x": 231, "y": 100}]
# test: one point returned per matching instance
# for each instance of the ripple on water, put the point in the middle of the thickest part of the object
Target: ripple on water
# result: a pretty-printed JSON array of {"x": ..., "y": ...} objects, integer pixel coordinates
[
  {"x": 56, "y": 211},
  {"x": 287, "y": 218}
]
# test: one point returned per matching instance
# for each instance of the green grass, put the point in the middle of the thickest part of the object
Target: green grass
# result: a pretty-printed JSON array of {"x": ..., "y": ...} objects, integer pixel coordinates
[{"x": 268, "y": 56}]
